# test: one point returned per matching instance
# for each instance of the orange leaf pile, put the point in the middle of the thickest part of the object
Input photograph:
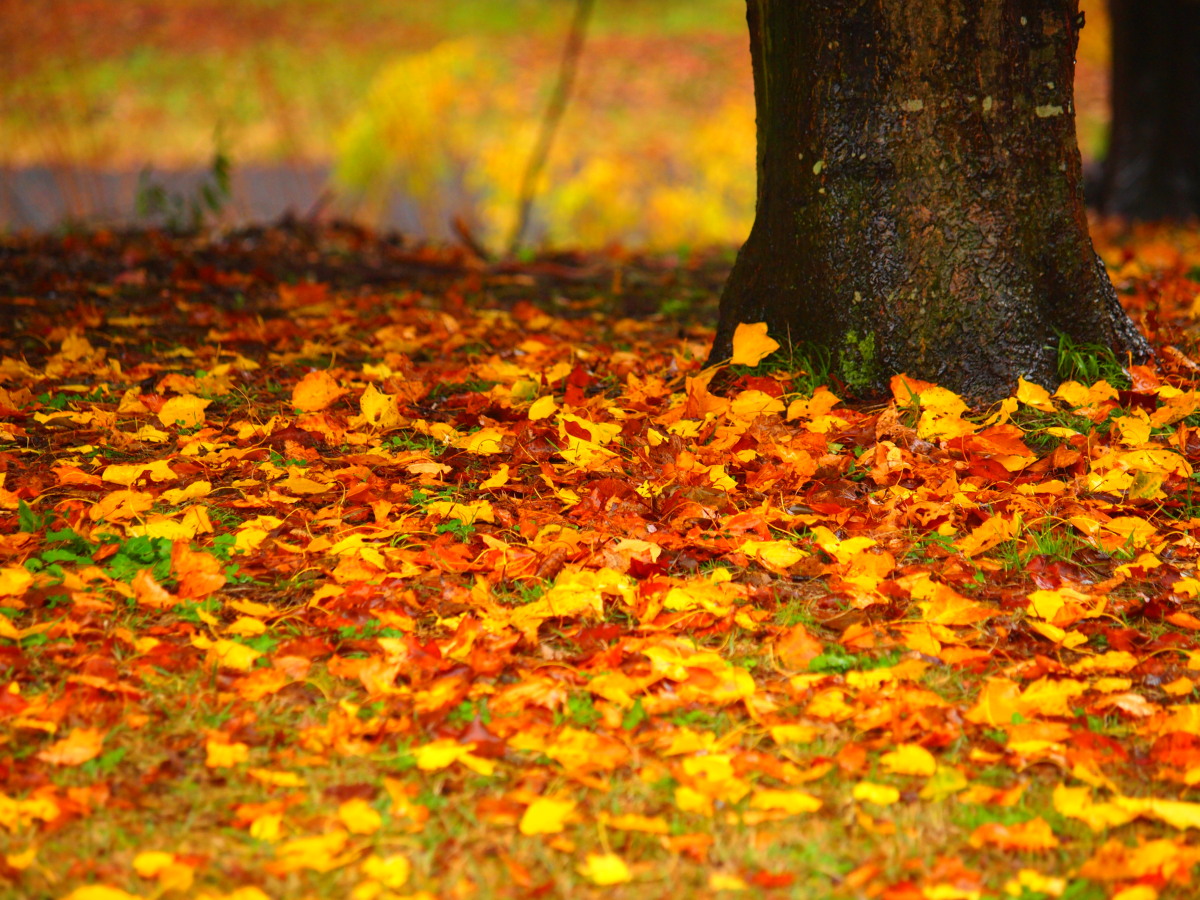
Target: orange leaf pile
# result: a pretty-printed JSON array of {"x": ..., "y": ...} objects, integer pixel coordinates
[{"x": 431, "y": 577}]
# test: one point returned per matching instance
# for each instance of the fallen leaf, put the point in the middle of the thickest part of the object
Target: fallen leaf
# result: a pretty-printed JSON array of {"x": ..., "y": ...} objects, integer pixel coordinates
[
  {"x": 605, "y": 869},
  {"x": 80, "y": 745},
  {"x": 546, "y": 815},
  {"x": 315, "y": 392},
  {"x": 751, "y": 344}
]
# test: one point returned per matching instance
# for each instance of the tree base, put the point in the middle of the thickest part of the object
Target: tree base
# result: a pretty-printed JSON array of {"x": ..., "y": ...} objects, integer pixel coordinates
[{"x": 920, "y": 204}]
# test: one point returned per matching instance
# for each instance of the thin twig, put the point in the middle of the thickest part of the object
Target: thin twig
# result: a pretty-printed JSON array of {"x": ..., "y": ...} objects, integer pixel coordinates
[{"x": 554, "y": 113}]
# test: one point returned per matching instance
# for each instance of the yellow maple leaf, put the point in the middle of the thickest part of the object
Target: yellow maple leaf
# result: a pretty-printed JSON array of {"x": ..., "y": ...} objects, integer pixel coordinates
[
  {"x": 1003, "y": 413},
  {"x": 1136, "y": 892},
  {"x": 391, "y": 871},
  {"x": 76, "y": 347},
  {"x": 748, "y": 405},
  {"x": 359, "y": 816},
  {"x": 999, "y": 700},
  {"x": 267, "y": 827},
  {"x": 1032, "y": 881},
  {"x": 880, "y": 794},
  {"x": 170, "y": 873},
  {"x": 1034, "y": 395},
  {"x": 726, "y": 881},
  {"x": 120, "y": 505},
  {"x": 1176, "y": 813},
  {"x": 941, "y": 415},
  {"x": 830, "y": 704},
  {"x": 751, "y": 344},
  {"x": 1065, "y": 606},
  {"x": 246, "y": 626},
  {"x": 165, "y": 527},
  {"x": 440, "y": 754},
  {"x": 380, "y": 410},
  {"x": 278, "y": 779},
  {"x": 635, "y": 822},
  {"x": 467, "y": 513},
  {"x": 228, "y": 653},
  {"x": 815, "y": 407},
  {"x": 1134, "y": 428},
  {"x": 775, "y": 555},
  {"x": 23, "y": 859},
  {"x": 14, "y": 581},
  {"x": 100, "y": 892},
  {"x": 795, "y": 648},
  {"x": 577, "y": 750},
  {"x": 943, "y": 605},
  {"x": 1069, "y": 639},
  {"x": 76, "y": 748},
  {"x": 447, "y": 751},
  {"x": 1180, "y": 687},
  {"x": 1077, "y": 803},
  {"x": 794, "y": 734},
  {"x": 193, "y": 491},
  {"x": 149, "y": 863},
  {"x": 159, "y": 470},
  {"x": 605, "y": 869},
  {"x": 1081, "y": 397},
  {"x": 1175, "y": 407},
  {"x": 909, "y": 759},
  {"x": 319, "y": 853},
  {"x": 254, "y": 531},
  {"x": 546, "y": 815},
  {"x": 243, "y": 893},
  {"x": 299, "y": 484},
  {"x": 499, "y": 478},
  {"x": 1158, "y": 460},
  {"x": 1185, "y": 718},
  {"x": 791, "y": 802},
  {"x": 843, "y": 551},
  {"x": 258, "y": 610},
  {"x": 1125, "y": 532},
  {"x": 184, "y": 411},
  {"x": 1145, "y": 561},
  {"x": 714, "y": 767},
  {"x": 583, "y": 454},
  {"x": 1032, "y": 835},
  {"x": 573, "y": 594},
  {"x": 222, "y": 753},
  {"x": 542, "y": 408},
  {"x": 316, "y": 391},
  {"x": 946, "y": 781},
  {"x": 482, "y": 442},
  {"x": 995, "y": 530}
]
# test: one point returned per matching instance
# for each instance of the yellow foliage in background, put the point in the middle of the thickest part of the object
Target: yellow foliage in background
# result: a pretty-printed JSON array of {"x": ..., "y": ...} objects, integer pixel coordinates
[
  {"x": 451, "y": 130},
  {"x": 414, "y": 130}
]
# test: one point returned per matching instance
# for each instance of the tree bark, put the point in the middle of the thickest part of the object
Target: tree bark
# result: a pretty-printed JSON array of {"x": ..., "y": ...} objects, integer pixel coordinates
[
  {"x": 1152, "y": 169},
  {"x": 920, "y": 205}
]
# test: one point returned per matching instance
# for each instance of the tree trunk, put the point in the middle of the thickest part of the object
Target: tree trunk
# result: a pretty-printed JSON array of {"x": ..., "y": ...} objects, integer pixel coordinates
[
  {"x": 1152, "y": 170},
  {"x": 920, "y": 203}
]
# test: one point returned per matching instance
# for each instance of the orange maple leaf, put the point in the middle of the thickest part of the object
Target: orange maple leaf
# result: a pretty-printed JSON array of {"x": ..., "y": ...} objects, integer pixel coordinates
[{"x": 76, "y": 748}]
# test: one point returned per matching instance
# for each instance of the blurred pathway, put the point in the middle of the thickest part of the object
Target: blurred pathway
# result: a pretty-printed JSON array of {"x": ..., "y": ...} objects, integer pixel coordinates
[{"x": 43, "y": 198}]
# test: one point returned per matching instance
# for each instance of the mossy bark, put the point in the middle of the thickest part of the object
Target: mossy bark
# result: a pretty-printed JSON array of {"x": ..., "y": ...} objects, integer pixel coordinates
[
  {"x": 1152, "y": 170},
  {"x": 920, "y": 203}
]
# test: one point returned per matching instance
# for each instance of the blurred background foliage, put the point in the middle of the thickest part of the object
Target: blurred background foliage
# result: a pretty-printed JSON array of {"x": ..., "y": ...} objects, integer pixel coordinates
[{"x": 434, "y": 105}]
